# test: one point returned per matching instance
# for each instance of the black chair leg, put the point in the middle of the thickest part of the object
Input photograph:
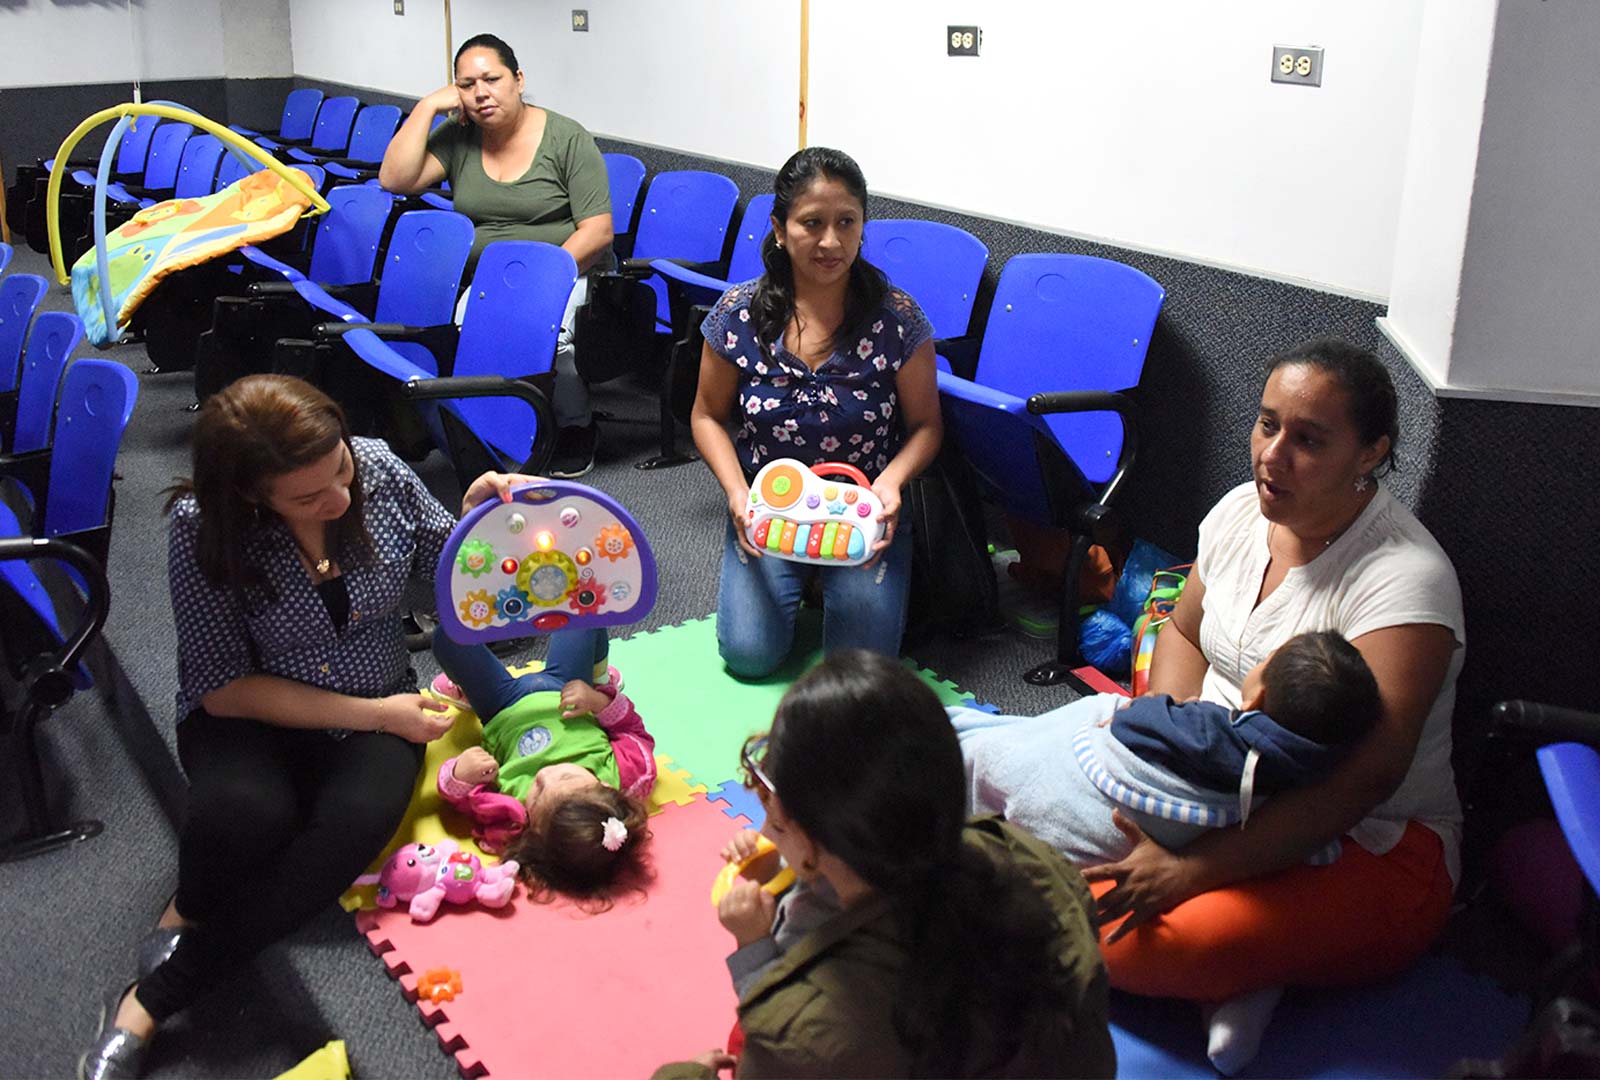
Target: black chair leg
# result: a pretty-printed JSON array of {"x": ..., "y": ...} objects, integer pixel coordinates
[
  {"x": 38, "y": 836},
  {"x": 1067, "y": 658},
  {"x": 670, "y": 454}
]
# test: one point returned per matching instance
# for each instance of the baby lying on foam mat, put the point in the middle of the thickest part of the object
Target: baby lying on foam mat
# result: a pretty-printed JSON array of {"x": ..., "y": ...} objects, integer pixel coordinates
[{"x": 561, "y": 780}]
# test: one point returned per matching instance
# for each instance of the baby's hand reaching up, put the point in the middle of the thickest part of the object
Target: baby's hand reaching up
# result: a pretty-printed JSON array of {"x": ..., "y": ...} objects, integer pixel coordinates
[
  {"x": 476, "y": 766},
  {"x": 742, "y": 846},
  {"x": 578, "y": 697}
]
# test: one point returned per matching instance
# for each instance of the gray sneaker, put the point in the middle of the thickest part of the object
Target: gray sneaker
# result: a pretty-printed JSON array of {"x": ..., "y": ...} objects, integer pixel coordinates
[{"x": 573, "y": 455}]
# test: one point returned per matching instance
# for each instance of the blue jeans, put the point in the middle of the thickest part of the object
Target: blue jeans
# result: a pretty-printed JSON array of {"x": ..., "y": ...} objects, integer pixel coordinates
[
  {"x": 489, "y": 687},
  {"x": 759, "y": 598}
]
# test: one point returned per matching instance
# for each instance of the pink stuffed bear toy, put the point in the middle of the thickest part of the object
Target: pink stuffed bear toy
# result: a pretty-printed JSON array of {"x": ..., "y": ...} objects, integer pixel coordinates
[{"x": 427, "y": 876}]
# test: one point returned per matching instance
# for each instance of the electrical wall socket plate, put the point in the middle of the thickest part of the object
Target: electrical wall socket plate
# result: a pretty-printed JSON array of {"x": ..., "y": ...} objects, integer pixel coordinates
[
  {"x": 580, "y": 20},
  {"x": 399, "y": 7},
  {"x": 1301, "y": 65},
  {"x": 963, "y": 40}
]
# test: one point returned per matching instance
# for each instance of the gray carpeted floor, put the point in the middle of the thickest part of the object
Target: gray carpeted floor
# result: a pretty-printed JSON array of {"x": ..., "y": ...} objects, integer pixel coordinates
[{"x": 74, "y": 916}]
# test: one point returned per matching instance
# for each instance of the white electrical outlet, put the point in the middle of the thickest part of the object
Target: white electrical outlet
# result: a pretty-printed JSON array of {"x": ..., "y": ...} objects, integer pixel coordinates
[{"x": 1300, "y": 65}]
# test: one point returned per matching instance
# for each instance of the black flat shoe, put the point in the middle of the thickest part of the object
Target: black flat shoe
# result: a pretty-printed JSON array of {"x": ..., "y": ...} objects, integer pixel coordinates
[
  {"x": 115, "y": 1054},
  {"x": 157, "y": 945}
]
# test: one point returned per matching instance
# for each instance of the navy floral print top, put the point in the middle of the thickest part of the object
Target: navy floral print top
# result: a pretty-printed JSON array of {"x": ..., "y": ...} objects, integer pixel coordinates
[
  {"x": 287, "y": 630},
  {"x": 843, "y": 411}
]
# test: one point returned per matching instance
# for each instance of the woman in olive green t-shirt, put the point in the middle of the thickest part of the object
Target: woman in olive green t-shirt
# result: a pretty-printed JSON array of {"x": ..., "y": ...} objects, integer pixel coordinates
[{"x": 520, "y": 173}]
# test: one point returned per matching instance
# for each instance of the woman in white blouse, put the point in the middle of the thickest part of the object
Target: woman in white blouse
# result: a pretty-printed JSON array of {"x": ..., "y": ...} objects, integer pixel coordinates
[{"x": 1313, "y": 542}]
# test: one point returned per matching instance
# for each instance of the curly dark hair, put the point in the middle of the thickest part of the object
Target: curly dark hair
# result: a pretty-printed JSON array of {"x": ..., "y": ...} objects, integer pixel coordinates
[{"x": 560, "y": 852}]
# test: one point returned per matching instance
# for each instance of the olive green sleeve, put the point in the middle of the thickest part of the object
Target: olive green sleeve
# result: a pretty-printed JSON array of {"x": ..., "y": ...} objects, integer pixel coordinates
[
  {"x": 588, "y": 188},
  {"x": 449, "y": 143}
]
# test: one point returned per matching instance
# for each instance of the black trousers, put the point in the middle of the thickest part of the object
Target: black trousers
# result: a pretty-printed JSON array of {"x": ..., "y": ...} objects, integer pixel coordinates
[{"x": 281, "y": 821}]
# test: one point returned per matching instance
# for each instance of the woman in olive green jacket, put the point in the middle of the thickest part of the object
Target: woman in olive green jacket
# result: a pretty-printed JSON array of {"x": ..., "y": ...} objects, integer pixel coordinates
[{"x": 962, "y": 949}]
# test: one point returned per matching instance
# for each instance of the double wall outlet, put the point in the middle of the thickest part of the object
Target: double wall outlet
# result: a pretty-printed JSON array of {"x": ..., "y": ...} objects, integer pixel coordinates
[
  {"x": 963, "y": 40},
  {"x": 1297, "y": 64},
  {"x": 580, "y": 20}
]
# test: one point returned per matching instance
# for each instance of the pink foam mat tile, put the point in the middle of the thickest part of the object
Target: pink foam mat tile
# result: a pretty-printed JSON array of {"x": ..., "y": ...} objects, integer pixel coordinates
[{"x": 548, "y": 991}]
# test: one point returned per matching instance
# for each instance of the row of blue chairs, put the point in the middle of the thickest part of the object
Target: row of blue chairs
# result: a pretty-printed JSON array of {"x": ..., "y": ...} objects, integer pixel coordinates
[{"x": 61, "y": 424}]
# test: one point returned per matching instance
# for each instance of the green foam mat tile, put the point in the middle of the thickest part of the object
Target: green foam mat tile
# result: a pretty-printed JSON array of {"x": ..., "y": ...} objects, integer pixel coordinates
[{"x": 700, "y": 714}]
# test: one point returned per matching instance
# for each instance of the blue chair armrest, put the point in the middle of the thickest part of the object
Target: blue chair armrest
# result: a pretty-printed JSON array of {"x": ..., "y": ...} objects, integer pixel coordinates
[
  {"x": 469, "y": 386},
  {"x": 1065, "y": 401},
  {"x": 437, "y": 201},
  {"x": 957, "y": 387},
  {"x": 268, "y": 263},
  {"x": 378, "y": 356},
  {"x": 697, "y": 288}
]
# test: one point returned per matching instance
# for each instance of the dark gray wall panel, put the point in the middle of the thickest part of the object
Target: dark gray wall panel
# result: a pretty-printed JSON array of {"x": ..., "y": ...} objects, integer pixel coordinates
[{"x": 34, "y": 119}]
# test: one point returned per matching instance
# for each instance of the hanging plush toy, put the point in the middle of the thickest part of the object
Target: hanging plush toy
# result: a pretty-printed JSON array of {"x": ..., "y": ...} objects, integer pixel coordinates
[{"x": 427, "y": 875}]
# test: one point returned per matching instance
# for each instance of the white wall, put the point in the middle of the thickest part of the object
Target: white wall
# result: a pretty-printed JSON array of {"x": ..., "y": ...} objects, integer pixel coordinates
[
  {"x": 714, "y": 77},
  {"x": 1528, "y": 319},
  {"x": 364, "y": 43},
  {"x": 1151, "y": 124},
  {"x": 256, "y": 41},
  {"x": 1440, "y": 167},
  {"x": 50, "y": 44}
]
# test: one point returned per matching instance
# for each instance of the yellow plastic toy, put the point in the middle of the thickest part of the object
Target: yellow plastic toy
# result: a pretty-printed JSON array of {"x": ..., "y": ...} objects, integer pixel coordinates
[
  {"x": 765, "y": 866},
  {"x": 328, "y": 1063}
]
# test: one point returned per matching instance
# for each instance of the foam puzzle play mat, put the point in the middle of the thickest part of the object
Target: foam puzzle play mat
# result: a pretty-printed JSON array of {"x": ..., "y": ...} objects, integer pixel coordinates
[{"x": 544, "y": 990}]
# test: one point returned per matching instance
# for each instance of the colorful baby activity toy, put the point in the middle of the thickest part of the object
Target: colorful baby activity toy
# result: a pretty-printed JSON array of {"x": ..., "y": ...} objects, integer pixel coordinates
[{"x": 795, "y": 513}]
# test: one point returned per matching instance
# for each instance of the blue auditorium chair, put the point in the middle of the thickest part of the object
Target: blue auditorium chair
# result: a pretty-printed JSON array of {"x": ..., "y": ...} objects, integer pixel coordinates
[
  {"x": 70, "y": 526},
  {"x": 1044, "y": 423},
  {"x": 297, "y": 122},
  {"x": 374, "y": 126},
  {"x": 20, "y": 295},
  {"x": 331, "y": 133},
  {"x": 624, "y": 176},
  {"x": 505, "y": 349},
  {"x": 198, "y": 169},
  {"x": 627, "y": 322},
  {"x": 344, "y": 251},
  {"x": 71, "y": 479},
  {"x": 160, "y": 171},
  {"x": 5, "y": 256},
  {"x": 27, "y": 415},
  {"x": 132, "y": 152},
  {"x": 419, "y": 283},
  {"x": 690, "y": 295},
  {"x": 939, "y": 265}
]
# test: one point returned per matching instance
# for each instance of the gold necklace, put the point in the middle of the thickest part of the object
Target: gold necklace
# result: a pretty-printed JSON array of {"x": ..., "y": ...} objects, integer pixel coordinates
[{"x": 321, "y": 566}]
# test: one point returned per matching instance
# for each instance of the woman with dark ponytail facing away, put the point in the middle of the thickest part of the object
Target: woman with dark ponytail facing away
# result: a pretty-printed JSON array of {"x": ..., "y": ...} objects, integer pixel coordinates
[{"x": 961, "y": 948}]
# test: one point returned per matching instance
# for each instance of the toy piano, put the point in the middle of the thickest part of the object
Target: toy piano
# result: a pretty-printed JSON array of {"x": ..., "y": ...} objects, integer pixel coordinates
[{"x": 804, "y": 514}]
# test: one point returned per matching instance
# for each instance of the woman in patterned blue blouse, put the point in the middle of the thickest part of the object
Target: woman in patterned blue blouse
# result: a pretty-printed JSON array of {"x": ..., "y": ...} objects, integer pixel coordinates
[
  {"x": 292, "y": 554},
  {"x": 818, "y": 359}
]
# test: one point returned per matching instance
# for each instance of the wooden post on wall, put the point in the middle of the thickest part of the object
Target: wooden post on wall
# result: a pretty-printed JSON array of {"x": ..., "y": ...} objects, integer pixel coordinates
[
  {"x": 449, "y": 63},
  {"x": 805, "y": 64}
]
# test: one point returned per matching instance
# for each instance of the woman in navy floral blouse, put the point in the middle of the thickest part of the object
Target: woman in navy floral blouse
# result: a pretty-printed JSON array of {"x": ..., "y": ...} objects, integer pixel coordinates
[
  {"x": 819, "y": 359},
  {"x": 292, "y": 553}
]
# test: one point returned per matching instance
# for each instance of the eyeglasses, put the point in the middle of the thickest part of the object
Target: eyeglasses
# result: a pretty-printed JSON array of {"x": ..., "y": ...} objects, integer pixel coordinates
[{"x": 754, "y": 749}]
